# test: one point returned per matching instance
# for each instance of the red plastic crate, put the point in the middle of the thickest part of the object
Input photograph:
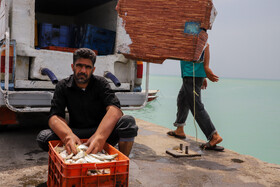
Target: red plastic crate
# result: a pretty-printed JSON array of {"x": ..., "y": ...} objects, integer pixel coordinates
[{"x": 64, "y": 175}]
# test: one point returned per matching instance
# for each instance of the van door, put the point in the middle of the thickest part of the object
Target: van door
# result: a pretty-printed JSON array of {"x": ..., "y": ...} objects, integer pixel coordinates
[
  {"x": 155, "y": 30},
  {"x": 3, "y": 18}
]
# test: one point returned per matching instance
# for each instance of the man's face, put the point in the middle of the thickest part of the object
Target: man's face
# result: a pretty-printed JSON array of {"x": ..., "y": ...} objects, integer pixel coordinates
[{"x": 82, "y": 69}]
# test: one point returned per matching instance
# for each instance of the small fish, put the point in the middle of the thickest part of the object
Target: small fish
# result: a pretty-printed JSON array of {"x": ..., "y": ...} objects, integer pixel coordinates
[
  {"x": 82, "y": 157},
  {"x": 91, "y": 159},
  {"x": 79, "y": 155},
  {"x": 63, "y": 154},
  {"x": 82, "y": 147},
  {"x": 80, "y": 161},
  {"x": 104, "y": 157},
  {"x": 69, "y": 156},
  {"x": 69, "y": 161},
  {"x": 59, "y": 149}
]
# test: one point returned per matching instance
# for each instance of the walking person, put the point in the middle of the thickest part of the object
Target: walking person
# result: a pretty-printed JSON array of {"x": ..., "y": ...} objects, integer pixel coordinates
[{"x": 185, "y": 101}]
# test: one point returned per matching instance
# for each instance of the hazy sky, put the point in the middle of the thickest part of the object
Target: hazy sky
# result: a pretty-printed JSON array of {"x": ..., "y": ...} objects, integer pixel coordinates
[{"x": 244, "y": 41}]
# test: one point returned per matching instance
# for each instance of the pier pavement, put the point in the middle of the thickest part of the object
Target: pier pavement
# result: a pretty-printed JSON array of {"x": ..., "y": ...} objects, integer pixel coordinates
[{"x": 150, "y": 166}]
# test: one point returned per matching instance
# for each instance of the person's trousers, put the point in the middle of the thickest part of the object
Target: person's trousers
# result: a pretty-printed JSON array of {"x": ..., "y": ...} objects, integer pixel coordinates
[
  {"x": 185, "y": 103},
  {"x": 125, "y": 128}
]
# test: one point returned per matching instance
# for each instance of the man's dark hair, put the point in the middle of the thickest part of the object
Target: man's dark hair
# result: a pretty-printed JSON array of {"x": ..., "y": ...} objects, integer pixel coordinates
[{"x": 84, "y": 53}]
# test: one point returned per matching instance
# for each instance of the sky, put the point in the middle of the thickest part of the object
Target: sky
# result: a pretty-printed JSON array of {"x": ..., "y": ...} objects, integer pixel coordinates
[{"x": 244, "y": 41}]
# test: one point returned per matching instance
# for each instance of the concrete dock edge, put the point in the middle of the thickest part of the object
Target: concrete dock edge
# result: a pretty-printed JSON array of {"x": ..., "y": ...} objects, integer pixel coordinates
[{"x": 151, "y": 166}]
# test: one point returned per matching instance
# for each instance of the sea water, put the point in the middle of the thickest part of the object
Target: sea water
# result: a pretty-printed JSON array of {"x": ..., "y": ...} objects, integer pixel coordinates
[{"x": 246, "y": 113}]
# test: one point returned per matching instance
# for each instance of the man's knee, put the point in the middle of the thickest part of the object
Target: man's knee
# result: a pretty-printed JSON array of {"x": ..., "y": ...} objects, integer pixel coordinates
[
  {"x": 128, "y": 119},
  {"x": 44, "y": 137},
  {"x": 127, "y": 127}
]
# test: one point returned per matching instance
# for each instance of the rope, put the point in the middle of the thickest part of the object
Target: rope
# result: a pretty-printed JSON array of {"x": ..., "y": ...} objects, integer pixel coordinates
[{"x": 194, "y": 93}]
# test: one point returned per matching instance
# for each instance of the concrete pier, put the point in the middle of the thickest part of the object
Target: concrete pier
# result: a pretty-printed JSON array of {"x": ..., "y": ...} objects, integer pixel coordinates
[{"x": 150, "y": 165}]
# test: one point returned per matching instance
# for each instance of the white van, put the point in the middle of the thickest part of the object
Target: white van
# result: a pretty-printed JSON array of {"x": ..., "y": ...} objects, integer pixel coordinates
[{"x": 27, "y": 81}]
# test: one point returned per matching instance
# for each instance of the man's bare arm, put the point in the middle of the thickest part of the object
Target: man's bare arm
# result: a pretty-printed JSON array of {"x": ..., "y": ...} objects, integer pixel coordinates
[
  {"x": 97, "y": 140},
  {"x": 63, "y": 131},
  {"x": 210, "y": 75}
]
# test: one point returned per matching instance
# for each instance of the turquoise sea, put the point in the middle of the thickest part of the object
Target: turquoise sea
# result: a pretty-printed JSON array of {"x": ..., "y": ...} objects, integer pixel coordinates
[{"x": 246, "y": 113}]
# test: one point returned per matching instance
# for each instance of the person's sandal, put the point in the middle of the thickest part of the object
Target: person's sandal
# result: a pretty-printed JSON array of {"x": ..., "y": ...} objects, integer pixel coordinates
[
  {"x": 207, "y": 146},
  {"x": 172, "y": 133}
]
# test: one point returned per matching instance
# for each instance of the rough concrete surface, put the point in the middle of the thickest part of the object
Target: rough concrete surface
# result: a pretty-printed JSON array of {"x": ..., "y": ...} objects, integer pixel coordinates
[{"x": 151, "y": 166}]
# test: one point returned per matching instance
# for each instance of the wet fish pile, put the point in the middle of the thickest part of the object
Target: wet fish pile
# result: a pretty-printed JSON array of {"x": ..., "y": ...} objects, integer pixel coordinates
[{"x": 82, "y": 157}]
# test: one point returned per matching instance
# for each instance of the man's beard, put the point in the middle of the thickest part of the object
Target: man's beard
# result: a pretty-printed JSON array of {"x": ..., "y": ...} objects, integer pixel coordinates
[{"x": 81, "y": 78}]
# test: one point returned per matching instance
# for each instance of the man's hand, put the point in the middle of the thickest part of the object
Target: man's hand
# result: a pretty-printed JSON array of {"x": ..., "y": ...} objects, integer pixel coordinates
[
  {"x": 204, "y": 84},
  {"x": 63, "y": 131},
  {"x": 97, "y": 140},
  {"x": 95, "y": 145},
  {"x": 210, "y": 75},
  {"x": 70, "y": 142}
]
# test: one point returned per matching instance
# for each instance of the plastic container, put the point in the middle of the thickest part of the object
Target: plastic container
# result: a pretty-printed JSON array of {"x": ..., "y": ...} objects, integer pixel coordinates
[
  {"x": 53, "y": 35},
  {"x": 64, "y": 175},
  {"x": 99, "y": 39},
  {"x": 63, "y": 49}
]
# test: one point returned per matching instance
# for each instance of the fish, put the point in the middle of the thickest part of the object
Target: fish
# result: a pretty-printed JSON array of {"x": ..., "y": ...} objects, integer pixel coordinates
[
  {"x": 104, "y": 157},
  {"x": 59, "y": 149},
  {"x": 65, "y": 155},
  {"x": 91, "y": 159},
  {"x": 82, "y": 147},
  {"x": 83, "y": 157},
  {"x": 80, "y": 161},
  {"x": 79, "y": 155}
]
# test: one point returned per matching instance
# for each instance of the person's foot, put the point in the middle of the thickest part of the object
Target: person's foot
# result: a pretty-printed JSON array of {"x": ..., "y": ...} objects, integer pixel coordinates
[
  {"x": 216, "y": 138},
  {"x": 178, "y": 133},
  {"x": 212, "y": 144}
]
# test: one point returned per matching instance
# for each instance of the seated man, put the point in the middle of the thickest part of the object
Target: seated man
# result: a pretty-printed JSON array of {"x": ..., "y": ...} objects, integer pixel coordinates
[{"x": 94, "y": 111}]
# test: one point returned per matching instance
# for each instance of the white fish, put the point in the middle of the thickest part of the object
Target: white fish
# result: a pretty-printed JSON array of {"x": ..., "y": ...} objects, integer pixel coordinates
[
  {"x": 63, "y": 154},
  {"x": 82, "y": 147},
  {"x": 69, "y": 161},
  {"x": 104, "y": 157},
  {"x": 79, "y": 155},
  {"x": 80, "y": 161},
  {"x": 110, "y": 157},
  {"x": 98, "y": 172},
  {"x": 82, "y": 157},
  {"x": 59, "y": 149},
  {"x": 91, "y": 159}
]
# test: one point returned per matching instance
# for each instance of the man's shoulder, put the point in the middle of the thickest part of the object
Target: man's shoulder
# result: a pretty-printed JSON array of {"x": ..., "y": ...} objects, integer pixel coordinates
[
  {"x": 65, "y": 82},
  {"x": 99, "y": 79}
]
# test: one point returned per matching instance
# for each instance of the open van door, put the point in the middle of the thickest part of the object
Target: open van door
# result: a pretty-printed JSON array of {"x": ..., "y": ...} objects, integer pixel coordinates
[
  {"x": 4, "y": 40},
  {"x": 7, "y": 116},
  {"x": 155, "y": 30},
  {"x": 3, "y": 18}
]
